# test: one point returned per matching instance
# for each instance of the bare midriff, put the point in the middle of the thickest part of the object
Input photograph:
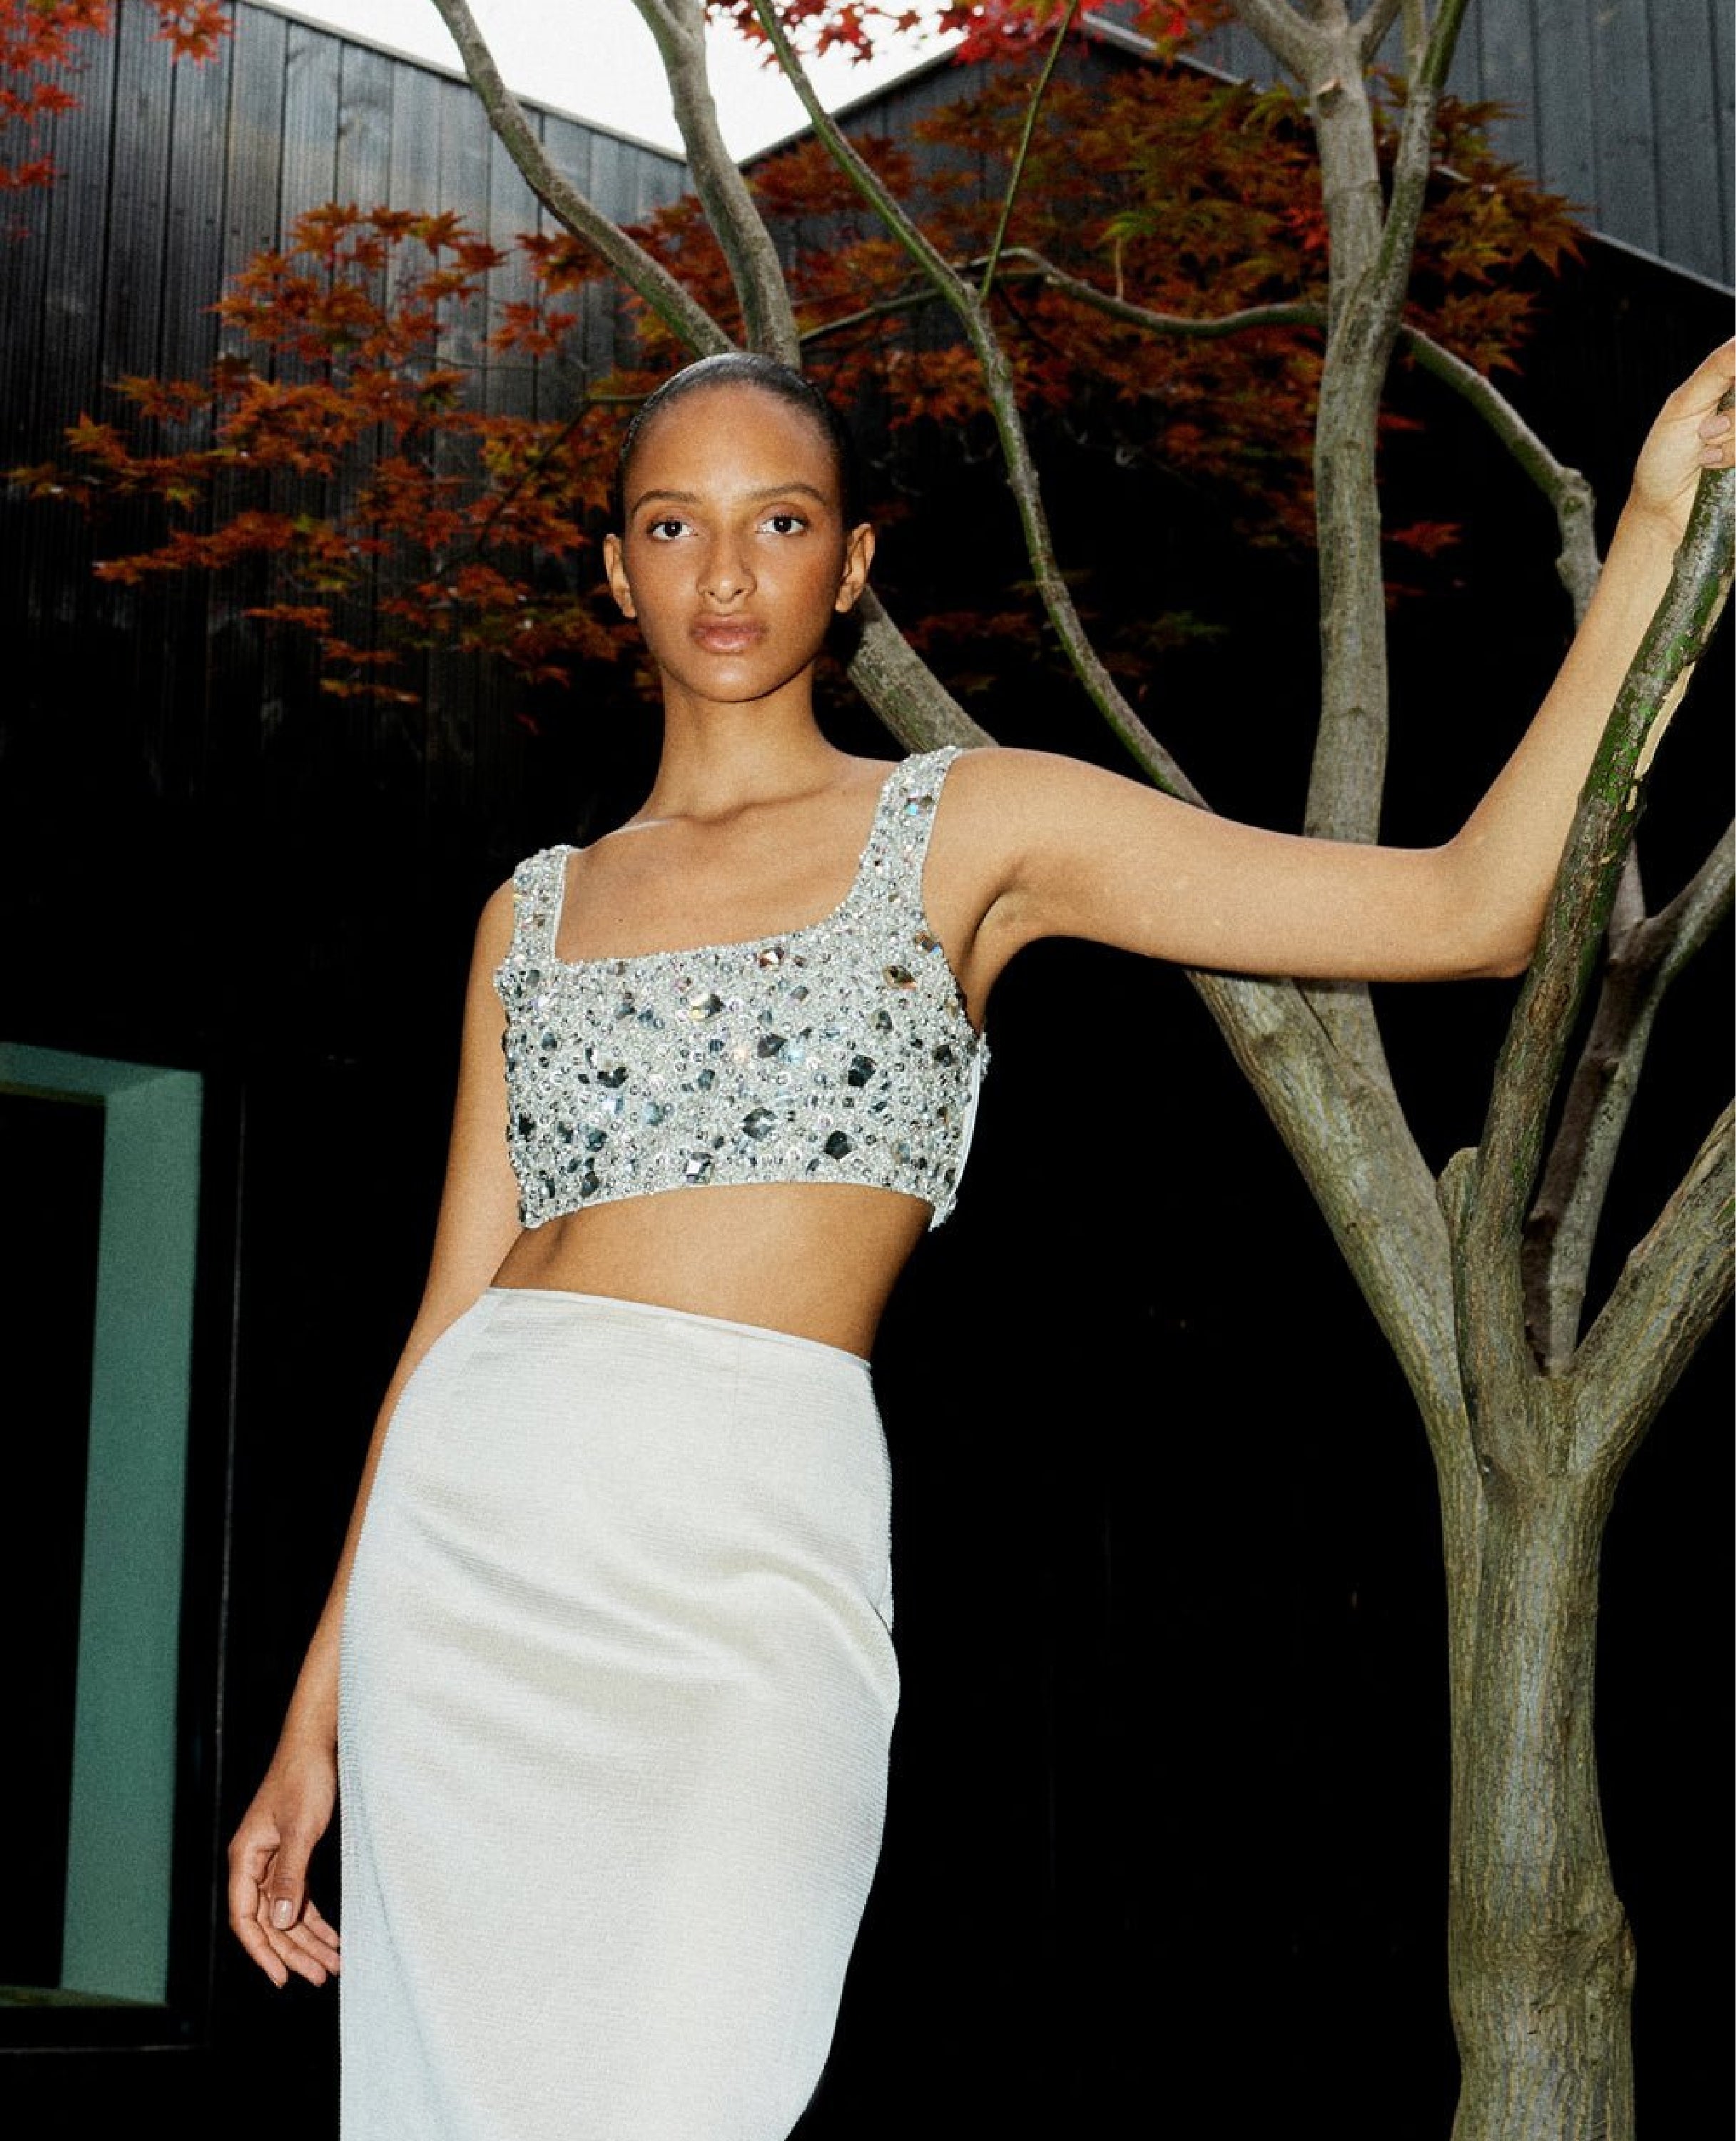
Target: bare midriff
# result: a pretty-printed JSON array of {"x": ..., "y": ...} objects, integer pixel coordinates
[{"x": 818, "y": 1262}]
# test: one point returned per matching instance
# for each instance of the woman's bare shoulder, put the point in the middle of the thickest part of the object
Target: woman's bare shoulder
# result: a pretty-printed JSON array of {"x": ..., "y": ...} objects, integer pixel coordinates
[{"x": 494, "y": 926}]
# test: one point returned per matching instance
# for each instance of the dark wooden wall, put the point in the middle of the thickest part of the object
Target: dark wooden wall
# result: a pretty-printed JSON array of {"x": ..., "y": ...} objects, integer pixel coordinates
[{"x": 1623, "y": 106}]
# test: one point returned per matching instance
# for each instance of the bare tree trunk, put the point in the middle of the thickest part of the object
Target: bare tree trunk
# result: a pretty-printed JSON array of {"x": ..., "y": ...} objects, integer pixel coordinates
[{"x": 1541, "y": 1957}]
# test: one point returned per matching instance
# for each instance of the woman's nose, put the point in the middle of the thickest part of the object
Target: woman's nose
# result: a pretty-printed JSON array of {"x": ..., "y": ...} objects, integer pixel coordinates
[{"x": 724, "y": 572}]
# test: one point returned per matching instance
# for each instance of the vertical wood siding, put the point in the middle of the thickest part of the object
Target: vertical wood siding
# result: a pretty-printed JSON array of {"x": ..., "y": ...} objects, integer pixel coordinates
[{"x": 1623, "y": 106}]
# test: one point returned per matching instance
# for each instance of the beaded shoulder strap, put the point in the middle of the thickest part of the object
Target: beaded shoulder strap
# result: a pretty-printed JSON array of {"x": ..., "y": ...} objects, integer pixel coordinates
[
  {"x": 904, "y": 821},
  {"x": 538, "y": 883}
]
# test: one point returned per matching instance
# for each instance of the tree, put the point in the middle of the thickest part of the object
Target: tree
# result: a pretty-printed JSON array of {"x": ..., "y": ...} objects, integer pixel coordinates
[{"x": 1530, "y": 1422}]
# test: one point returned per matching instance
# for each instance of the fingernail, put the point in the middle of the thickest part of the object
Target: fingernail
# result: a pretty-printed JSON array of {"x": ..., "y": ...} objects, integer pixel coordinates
[{"x": 282, "y": 1913}]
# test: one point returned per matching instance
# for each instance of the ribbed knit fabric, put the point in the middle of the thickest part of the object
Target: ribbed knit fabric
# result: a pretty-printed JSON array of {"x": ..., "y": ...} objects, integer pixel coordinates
[{"x": 617, "y": 1690}]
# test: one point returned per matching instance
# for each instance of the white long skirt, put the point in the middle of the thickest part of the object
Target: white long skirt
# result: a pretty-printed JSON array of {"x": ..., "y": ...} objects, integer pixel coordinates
[{"x": 617, "y": 1695}]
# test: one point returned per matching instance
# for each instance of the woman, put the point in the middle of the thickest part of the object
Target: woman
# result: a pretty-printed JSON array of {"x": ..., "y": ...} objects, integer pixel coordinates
[{"x": 615, "y": 1683}]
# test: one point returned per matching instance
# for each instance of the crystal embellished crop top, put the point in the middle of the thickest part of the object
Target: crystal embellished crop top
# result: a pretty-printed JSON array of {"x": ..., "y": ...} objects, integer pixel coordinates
[{"x": 837, "y": 1052}]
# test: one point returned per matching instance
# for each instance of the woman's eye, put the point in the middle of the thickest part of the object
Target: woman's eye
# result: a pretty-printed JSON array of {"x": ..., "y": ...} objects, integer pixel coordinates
[
  {"x": 666, "y": 529},
  {"x": 785, "y": 524}
]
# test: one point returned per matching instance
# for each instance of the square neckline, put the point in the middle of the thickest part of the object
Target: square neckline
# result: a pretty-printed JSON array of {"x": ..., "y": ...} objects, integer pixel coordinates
[{"x": 615, "y": 960}]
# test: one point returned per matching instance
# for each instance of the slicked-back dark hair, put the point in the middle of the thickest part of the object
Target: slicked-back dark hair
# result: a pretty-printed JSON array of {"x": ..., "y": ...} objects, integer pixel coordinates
[{"x": 743, "y": 367}]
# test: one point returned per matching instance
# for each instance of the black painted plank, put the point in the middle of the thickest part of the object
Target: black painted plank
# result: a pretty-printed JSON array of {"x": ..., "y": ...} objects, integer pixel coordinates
[
  {"x": 198, "y": 142},
  {"x": 75, "y": 262},
  {"x": 463, "y": 187},
  {"x": 1724, "y": 52},
  {"x": 311, "y": 90},
  {"x": 1627, "y": 204},
  {"x": 513, "y": 211},
  {"x": 139, "y": 195},
  {"x": 594, "y": 163},
  {"x": 1510, "y": 72},
  {"x": 364, "y": 125},
  {"x": 193, "y": 240},
  {"x": 68, "y": 371},
  {"x": 243, "y": 679},
  {"x": 1580, "y": 116},
  {"x": 1684, "y": 134}
]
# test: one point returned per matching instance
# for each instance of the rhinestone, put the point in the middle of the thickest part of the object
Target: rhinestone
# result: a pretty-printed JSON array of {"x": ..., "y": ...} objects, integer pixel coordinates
[
  {"x": 836, "y": 1146},
  {"x": 760, "y": 1123},
  {"x": 704, "y": 1004},
  {"x": 862, "y": 1069},
  {"x": 901, "y": 977}
]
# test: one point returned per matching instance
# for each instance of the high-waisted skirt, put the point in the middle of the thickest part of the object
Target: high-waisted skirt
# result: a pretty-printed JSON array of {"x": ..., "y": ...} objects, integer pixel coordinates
[{"x": 616, "y": 1696}]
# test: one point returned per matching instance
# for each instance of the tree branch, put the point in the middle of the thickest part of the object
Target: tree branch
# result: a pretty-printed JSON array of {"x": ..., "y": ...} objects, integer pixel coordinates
[
  {"x": 1672, "y": 1290},
  {"x": 907, "y": 694},
  {"x": 1369, "y": 254},
  {"x": 1371, "y": 257},
  {"x": 1701, "y": 905},
  {"x": 1023, "y": 148},
  {"x": 1371, "y": 31},
  {"x": 679, "y": 28},
  {"x": 1286, "y": 36},
  {"x": 673, "y": 305},
  {"x": 1568, "y": 492},
  {"x": 1645, "y": 956},
  {"x": 1414, "y": 161},
  {"x": 1576, "y": 562},
  {"x": 1490, "y": 1296},
  {"x": 1348, "y": 1137},
  {"x": 1040, "y": 267}
]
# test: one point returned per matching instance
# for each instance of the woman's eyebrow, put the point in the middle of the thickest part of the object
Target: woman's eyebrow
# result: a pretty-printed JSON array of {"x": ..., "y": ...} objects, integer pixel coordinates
[{"x": 763, "y": 490}]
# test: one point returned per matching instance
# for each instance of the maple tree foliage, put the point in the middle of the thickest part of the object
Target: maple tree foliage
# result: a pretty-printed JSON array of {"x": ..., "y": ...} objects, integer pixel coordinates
[
  {"x": 984, "y": 29},
  {"x": 42, "y": 42},
  {"x": 337, "y": 440}
]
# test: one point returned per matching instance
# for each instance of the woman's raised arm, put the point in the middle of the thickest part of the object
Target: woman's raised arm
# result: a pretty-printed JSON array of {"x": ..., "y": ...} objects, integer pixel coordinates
[{"x": 1054, "y": 848}]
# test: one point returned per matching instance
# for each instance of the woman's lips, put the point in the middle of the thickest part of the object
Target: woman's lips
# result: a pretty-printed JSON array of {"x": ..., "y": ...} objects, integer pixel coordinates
[{"x": 727, "y": 635}]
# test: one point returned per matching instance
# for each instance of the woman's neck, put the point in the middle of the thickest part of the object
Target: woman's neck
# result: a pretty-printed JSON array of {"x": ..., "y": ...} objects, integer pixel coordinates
[{"x": 730, "y": 757}]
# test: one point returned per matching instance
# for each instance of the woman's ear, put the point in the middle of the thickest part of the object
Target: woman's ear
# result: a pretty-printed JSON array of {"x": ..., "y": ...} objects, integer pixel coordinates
[
  {"x": 858, "y": 554},
  {"x": 614, "y": 567}
]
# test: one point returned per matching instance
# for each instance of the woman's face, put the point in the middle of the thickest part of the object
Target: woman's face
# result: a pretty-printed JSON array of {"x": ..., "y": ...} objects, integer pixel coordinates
[{"x": 734, "y": 554}]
